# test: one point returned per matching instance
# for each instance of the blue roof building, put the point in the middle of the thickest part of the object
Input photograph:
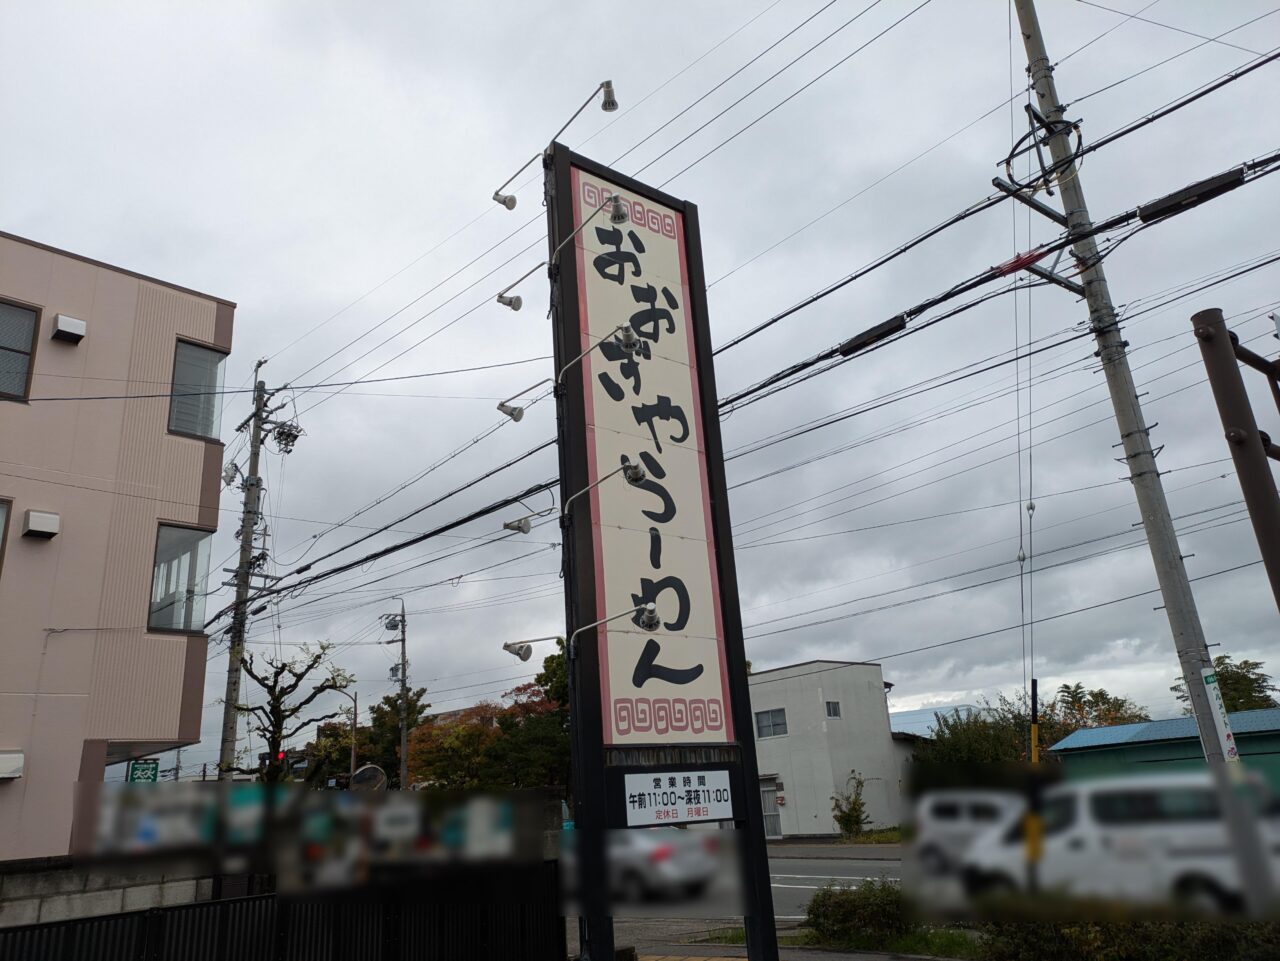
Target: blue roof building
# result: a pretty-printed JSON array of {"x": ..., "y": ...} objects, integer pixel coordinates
[{"x": 1168, "y": 746}]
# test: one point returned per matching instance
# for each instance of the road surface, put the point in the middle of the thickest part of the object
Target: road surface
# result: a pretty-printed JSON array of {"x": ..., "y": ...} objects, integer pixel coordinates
[
  {"x": 795, "y": 873},
  {"x": 794, "y": 880}
]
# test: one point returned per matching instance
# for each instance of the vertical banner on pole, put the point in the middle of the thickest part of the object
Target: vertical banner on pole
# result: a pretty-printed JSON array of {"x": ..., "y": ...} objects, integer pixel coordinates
[
  {"x": 661, "y": 716},
  {"x": 1222, "y": 725}
]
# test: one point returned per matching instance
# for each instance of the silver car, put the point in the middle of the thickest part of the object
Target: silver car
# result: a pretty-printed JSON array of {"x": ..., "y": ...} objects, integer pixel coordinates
[{"x": 649, "y": 863}]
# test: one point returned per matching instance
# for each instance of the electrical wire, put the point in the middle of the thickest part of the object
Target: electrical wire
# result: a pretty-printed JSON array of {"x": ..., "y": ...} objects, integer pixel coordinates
[
  {"x": 785, "y": 100},
  {"x": 224, "y": 391},
  {"x": 622, "y": 156},
  {"x": 1176, "y": 56},
  {"x": 773, "y": 76},
  {"x": 1058, "y": 616},
  {"x": 1166, "y": 26}
]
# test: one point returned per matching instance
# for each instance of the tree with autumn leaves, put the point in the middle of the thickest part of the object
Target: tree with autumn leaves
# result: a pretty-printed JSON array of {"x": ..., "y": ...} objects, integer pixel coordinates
[{"x": 522, "y": 743}]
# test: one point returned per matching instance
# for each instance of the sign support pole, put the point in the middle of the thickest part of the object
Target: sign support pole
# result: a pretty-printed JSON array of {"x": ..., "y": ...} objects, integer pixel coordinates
[{"x": 586, "y": 746}]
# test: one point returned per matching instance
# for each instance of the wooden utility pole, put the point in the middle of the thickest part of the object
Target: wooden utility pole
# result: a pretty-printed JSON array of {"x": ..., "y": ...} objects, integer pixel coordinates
[
  {"x": 1175, "y": 587},
  {"x": 1250, "y": 447}
]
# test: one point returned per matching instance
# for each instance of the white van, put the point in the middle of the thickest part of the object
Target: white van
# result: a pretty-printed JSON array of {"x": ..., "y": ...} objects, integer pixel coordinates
[
  {"x": 1144, "y": 839},
  {"x": 948, "y": 821}
]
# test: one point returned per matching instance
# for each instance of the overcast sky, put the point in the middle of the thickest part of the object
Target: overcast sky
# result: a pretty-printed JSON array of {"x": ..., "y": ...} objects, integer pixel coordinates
[{"x": 328, "y": 166}]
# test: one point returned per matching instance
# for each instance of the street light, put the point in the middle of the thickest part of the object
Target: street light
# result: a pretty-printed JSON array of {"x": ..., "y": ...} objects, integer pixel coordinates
[
  {"x": 515, "y": 411},
  {"x": 355, "y": 714},
  {"x": 618, "y": 215},
  {"x": 649, "y": 621},
  {"x": 633, "y": 474},
  {"x": 608, "y": 103},
  {"x": 523, "y": 650},
  {"x": 624, "y": 337}
]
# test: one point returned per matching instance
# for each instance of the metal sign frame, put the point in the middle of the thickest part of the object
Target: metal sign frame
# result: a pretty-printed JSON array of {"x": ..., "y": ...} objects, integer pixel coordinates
[{"x": 591, "y": 759}]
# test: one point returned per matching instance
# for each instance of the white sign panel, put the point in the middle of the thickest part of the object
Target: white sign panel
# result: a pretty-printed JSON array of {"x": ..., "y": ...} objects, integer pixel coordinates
[
  {"x": 1226, "y": 740},
  {"x": 678, "y": 798},
  {"x": 653, "y": 541}
]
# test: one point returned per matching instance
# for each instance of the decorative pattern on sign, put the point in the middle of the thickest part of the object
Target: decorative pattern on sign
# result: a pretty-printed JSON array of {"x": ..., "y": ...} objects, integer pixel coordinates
[
  {"x": 593, "y": 196},
  {"x": 663, "y": 715}
]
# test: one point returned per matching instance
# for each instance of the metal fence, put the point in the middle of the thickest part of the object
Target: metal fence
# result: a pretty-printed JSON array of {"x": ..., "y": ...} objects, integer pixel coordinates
[{"x": 471, "y": 912}]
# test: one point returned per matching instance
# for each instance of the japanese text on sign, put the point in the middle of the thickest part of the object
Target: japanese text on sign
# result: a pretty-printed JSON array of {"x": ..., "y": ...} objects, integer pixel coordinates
[
  {"x": 653, "y": 540},
  {"x": 658, "y": 798}
]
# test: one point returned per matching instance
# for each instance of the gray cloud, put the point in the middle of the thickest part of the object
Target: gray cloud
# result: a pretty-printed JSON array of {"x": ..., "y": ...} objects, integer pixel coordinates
[{"x": 290, "y": 159}]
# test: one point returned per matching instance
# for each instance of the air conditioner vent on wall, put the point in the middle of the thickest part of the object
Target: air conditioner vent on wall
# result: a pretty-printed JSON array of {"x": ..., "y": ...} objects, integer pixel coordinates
[
  {"x": 69, "y": 329},
  {"x": 42, "y": 524}
]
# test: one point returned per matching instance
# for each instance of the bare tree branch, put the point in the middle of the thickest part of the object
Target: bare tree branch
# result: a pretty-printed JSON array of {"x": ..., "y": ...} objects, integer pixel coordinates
[{"x": 310, "y": 721}]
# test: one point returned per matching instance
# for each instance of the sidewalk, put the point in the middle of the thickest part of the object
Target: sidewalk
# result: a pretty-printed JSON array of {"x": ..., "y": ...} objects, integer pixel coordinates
[
  {"x": 701, "y": 951},
  {"x": 834, "y": 851}
]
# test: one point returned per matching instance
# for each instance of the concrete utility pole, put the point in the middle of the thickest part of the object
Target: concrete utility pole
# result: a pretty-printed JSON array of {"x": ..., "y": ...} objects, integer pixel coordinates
[
  {"x": 244, "y": 570},
  {"x": 1175, "y": 587},
  {"x": 1250, "y": 447},
  {"x": 392, "y": 624}
]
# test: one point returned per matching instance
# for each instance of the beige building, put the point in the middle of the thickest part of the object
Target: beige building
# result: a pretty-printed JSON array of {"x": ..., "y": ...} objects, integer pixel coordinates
[{"x": 107, "y": 508}]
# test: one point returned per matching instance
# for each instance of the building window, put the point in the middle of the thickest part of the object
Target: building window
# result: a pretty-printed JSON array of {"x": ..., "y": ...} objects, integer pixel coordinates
[
  {"x": 771, "y": 723},
  {"x": 196, "y": 407},
  {"x": 17, "y": 344},
  {"x": 178, "y": 586},
  {"x": 833, "y": 708}
]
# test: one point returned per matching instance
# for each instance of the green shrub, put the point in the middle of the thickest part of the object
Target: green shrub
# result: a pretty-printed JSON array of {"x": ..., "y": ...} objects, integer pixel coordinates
[
  {"x": 1130, "y": 941},
  {"x": 867, "y": 916},
  {"x": 848, "y": 807}
]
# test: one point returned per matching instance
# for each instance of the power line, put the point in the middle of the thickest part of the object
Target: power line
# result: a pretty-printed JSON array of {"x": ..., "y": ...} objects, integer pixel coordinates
[
  {"x": 622, "y": 156},
  {"x": 806, "y": 86},
  {"x": 1189, "y": 33},
  {"x": 250, "y": 390},
  {"x": 1058, "y": 616},
  {"x": 967, "y": 587},
  {"x": 1175, "y": 105},
  {"x": 519, "y": 458},
  {"x": 897, "y": 431},
  {"x": 489, "y": 209},
  {"x": 1176, "y": 56},
  {"x": 1106, "y": 32},
  {"x": 402, "y": 545},
  {"x": 773, "y": 76},
  {"x": 965, "y": 470}
]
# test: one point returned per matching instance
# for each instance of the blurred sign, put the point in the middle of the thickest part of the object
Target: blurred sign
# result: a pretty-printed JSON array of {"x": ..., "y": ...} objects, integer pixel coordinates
[
  {"x": 1226, "y": 740},
  {"x": 146, "y": 771},
  {"x": 681, "y": 797}
]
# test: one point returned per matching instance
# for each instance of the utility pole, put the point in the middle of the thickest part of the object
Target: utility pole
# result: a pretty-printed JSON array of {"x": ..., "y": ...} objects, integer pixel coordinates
[
  {"x": 240, "y": 613},
  {"x": 392, "y": 623},
  {"x": 1250, "y": 447},
  {"x": 1175, "y": 587}
]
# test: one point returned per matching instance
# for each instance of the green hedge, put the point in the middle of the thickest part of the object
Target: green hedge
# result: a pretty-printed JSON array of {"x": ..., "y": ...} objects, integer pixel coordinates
[
  {"x": 1130, "y": 941},
  {"x": 877, "y": 916},
  {"x": 876, "y": 910}
]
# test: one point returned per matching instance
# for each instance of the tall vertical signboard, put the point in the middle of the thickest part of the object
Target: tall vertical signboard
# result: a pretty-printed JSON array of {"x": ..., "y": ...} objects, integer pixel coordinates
[{"x": 662, "y": 726}]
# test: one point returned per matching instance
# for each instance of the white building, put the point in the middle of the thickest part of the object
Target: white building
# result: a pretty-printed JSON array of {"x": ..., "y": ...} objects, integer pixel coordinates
[{"x": 815, "y": 723}]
